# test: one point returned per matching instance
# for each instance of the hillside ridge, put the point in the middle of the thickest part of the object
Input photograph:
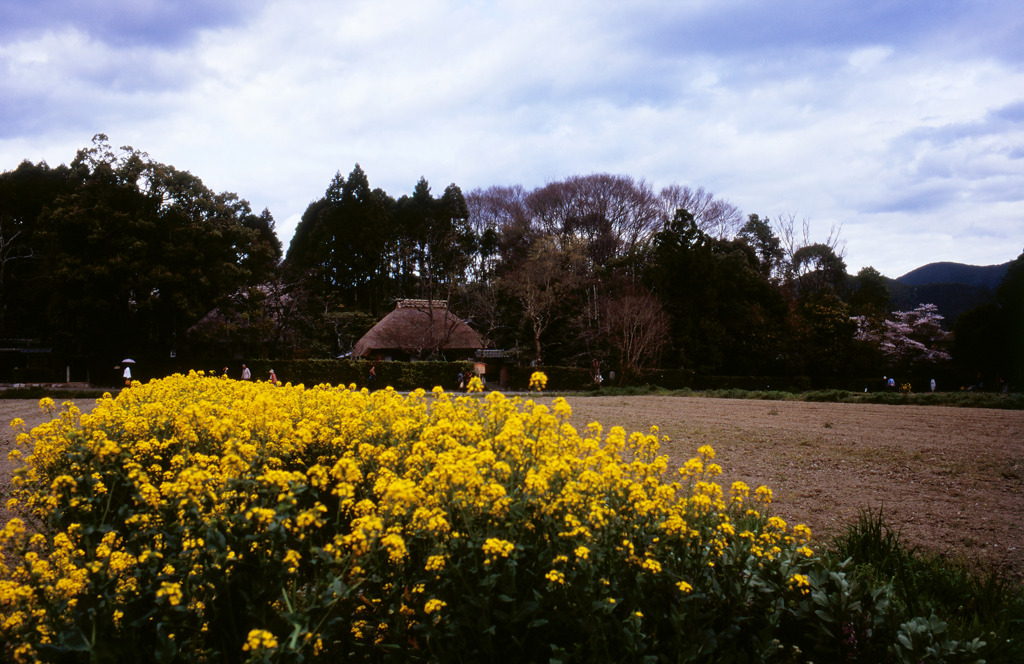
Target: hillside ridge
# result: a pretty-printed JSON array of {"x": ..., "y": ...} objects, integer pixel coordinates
[
  {"x": 954, "y": 288},
  {"x": 945, "y": 272}
]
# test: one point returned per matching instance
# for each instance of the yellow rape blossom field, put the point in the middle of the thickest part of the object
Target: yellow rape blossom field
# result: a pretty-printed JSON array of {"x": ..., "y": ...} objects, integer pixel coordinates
[{"x": 209, "y": 520}]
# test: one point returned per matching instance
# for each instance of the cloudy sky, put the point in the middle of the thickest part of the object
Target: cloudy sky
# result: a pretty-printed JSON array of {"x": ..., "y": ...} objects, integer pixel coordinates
[{"x": 901, "y": 120}]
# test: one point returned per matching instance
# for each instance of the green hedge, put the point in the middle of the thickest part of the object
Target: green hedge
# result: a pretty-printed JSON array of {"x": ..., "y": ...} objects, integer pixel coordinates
[
  {"x": 399, "y": 375},
  {"x": 559, "y": 378},
  {"x": 412, "y": 375},
  {"x": 678, "y": 379}
]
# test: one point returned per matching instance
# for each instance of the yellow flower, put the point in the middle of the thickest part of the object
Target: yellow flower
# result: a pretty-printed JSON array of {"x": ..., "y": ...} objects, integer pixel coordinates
[
  {"x": 259, "y": 639},
  {"x": 498, "y": 547},
  {"x": 800, "y": 582},
  {"x": 434, "y": 563},
  {"x": 63, "y": 482},
  {"x": 172, "y": 591},
  {"x": 395, "y": 546},
  {"x": 434, "y": 605},
  {"x": 692, "y": 468},
  {"x": 291, "y": 560},
  {"x": 801, "y": 533},
  {"x": 413, "y": 483},
  {"x": 538, "y": 381},
  {"x": 651, "y": 565}
]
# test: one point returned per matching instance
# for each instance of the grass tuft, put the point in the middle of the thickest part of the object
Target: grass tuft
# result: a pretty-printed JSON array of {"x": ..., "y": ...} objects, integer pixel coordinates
[{"x": 968, "y": 599}]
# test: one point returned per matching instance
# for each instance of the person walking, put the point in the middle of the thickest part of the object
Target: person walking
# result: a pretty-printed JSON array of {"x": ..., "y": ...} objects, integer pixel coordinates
[
  {"x": 246, "y": 374},
  {"x": 273, "y": 377}
]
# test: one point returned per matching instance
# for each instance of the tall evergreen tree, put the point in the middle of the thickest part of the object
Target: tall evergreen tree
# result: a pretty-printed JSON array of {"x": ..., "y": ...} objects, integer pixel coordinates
[
  {"x": 342, "y": 244},
  {"x": 726, "y": 316}
]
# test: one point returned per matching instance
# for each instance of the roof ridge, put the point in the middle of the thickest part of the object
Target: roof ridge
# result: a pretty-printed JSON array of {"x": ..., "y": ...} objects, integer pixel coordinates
[{"x": 410, "y": 303}]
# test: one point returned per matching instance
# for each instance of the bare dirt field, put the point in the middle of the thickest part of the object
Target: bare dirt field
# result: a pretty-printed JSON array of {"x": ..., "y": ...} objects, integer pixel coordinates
[{"x": 951, "y": 479}]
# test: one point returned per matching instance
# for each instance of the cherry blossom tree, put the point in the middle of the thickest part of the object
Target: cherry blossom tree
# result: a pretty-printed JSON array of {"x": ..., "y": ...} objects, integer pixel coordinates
[{"x": 908, "y": 339}]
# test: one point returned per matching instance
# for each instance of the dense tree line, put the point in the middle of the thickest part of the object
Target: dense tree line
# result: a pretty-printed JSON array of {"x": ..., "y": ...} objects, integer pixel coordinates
[{"x": 117, "y": 253}]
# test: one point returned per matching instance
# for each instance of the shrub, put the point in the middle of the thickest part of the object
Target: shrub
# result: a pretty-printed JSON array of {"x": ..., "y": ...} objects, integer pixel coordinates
[
  {"x": 829, "y": 396},
  {"x": 202, "y": 519},
  {"x": 958, "y": 600}
]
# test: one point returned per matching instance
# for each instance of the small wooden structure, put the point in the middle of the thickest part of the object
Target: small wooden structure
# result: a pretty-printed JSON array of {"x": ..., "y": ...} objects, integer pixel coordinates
[{"x": 492, "y": 365}]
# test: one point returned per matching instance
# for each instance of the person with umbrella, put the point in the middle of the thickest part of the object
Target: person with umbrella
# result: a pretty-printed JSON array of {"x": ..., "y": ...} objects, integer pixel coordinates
[{"x": 127, "y": 362}]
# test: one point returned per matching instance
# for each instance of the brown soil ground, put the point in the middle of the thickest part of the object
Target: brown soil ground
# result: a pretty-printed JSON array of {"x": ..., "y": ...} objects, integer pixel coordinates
[{"x": 950, "y": 479}]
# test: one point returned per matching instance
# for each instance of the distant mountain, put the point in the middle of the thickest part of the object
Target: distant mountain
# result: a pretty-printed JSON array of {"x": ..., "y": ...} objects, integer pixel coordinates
[
  {"x": 953, "y": 287},
  {"x": 983, "y": 276}
]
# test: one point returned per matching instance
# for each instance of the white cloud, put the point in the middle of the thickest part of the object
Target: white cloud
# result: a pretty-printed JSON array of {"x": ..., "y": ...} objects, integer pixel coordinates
[
  {"x": 867, "y": 59},
  {"x": 856, "y": 116}
]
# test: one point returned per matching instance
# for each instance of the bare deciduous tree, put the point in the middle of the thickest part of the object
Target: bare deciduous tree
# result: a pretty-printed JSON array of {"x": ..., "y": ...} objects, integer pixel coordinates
[
  {"x": 716, "y": 217},
  {"x": 541, "y": 285},
  {"x": 502, "y": 221},
  {"x": 792, "y": 240},
  {"x": 497, "y": 207},
  {"x": 609, "y": 214},
  {"x": 637, "y": 330}
]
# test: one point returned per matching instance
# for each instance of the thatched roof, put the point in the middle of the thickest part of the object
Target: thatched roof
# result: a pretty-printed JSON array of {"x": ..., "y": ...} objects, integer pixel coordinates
[{"x": 419, "y": 327}]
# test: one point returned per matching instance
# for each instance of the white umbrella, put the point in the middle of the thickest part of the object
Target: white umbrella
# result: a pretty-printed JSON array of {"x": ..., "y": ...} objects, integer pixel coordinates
[{"x": 127, "y": 360}]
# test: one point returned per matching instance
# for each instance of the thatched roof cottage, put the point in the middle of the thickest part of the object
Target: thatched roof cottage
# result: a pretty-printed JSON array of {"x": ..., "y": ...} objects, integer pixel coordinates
[{"x": 419, "y": 329}]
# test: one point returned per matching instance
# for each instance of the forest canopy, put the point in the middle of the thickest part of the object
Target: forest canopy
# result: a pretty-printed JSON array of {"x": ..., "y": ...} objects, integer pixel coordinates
[{"x": 118, "y": 254}]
